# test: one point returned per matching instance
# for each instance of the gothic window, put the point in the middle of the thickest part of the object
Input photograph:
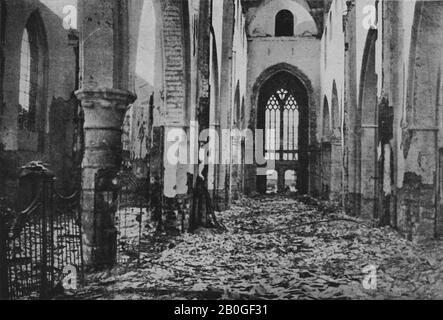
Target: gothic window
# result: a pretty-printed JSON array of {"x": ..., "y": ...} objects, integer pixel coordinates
[
  {"x": 32, "y": 65},
  {"x": 27, "y": 84},
  {"x": 284, "y": 24},
  {"x": 282, "y": 120}
]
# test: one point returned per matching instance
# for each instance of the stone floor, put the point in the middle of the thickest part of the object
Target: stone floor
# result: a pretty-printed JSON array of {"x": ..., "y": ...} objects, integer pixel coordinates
[{"x": 278, "y": 248}]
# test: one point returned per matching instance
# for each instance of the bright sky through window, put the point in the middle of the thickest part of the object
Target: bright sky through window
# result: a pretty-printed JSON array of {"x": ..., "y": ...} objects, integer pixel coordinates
[{"x": 25, "y": 72}]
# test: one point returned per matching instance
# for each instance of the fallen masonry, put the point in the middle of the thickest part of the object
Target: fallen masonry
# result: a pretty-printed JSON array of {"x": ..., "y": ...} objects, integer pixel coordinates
[{"x": 296, "y": 258}]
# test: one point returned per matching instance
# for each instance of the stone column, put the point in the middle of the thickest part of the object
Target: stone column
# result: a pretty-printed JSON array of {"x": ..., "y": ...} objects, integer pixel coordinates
[
  {"x": 104, "y": 111},
  {"x": 104, "y": 99}
]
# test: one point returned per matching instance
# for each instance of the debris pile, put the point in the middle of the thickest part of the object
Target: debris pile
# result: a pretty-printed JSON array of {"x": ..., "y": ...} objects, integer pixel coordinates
[{"x": 279, "y": 248}]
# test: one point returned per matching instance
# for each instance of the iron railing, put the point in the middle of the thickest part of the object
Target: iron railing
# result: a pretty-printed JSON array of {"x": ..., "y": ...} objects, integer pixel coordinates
[{"x": 39, "y": 243}]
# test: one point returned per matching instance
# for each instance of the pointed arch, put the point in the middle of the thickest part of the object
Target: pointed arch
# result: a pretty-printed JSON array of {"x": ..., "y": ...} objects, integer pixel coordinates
[
  {"x": 306, "y": 83},
  {"x": 33, "y": 75},
  {"x": 286, "y": 89},
  {"x": 368, "y": 79},
  {"x": 367, "y": 148}
]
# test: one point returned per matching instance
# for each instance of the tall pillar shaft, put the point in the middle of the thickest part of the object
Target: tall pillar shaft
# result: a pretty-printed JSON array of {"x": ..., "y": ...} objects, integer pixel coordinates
[{"x": 104, "y": 78}]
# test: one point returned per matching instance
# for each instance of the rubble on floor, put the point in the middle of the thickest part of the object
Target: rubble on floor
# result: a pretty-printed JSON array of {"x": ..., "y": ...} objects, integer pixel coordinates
[{"x": 278, "y": 248}]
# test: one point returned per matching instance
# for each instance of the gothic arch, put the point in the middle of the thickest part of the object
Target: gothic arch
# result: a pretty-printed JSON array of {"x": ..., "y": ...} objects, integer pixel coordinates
[
  {"x": 368, "y": 142},
  {"x": 303, "y": 78},
  {"x": 33, "y": 117},
  {"x": 368, "y": 80},
  {"x": 290, "y": 80}
]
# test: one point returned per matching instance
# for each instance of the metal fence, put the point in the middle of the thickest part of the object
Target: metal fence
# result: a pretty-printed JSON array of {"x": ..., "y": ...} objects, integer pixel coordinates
[
  {"x": 38, "y": 244},
  {"x": 120, "y": 212},
  {"x": 131, "y": 216}
]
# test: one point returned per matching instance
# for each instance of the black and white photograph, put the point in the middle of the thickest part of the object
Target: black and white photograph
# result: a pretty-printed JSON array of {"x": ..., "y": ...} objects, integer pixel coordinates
[{"x": 221, "y": 155}]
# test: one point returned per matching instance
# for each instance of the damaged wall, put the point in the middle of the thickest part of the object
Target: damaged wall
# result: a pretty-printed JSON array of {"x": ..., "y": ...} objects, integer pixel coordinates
[
  {"x": 391, "y": 113},
  {"x": 332, "y": 62},
  {"x": 300, "y": 52},
  {"x": 51, "y": 139},
  {"x": 419, "y": 179}
]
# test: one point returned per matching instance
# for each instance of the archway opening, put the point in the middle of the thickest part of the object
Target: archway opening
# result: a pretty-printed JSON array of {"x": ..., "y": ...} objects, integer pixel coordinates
[
  {"x": 284, "y": 24},
  {"x": 33, "y": 83},
  {"x": 283, "y": 116},
  {"x": 368, "y": 147}
]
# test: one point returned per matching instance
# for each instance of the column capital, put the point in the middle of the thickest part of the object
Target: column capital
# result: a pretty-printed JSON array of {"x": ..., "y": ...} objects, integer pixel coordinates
[{"x": 105, "y": 97}]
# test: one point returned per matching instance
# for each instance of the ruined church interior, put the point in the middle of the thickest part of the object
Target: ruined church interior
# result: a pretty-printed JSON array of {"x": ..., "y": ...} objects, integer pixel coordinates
[{"x": 277, "y": 139}]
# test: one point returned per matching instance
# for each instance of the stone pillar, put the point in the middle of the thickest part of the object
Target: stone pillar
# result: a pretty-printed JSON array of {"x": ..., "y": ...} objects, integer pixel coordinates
[
  {"x": 104, "y": 74},
  {"x": 352, "y": 176},
  {"x": 104, "y": 111},
  {"x": 369, "y": 173}
]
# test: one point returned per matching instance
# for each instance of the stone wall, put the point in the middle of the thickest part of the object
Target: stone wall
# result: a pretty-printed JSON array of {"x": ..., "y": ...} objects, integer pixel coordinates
[
  {"x": 301, "y": 52},
  {"x": 52, "y": 139}
]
